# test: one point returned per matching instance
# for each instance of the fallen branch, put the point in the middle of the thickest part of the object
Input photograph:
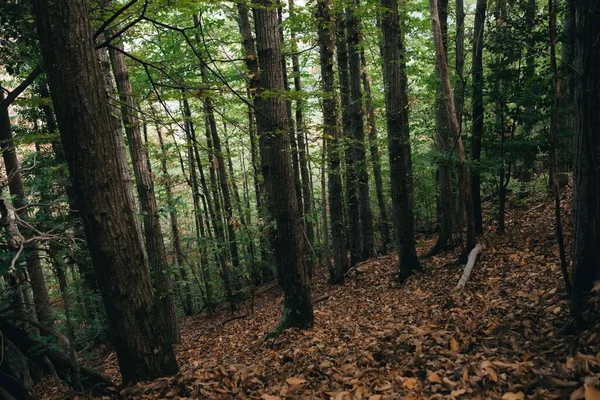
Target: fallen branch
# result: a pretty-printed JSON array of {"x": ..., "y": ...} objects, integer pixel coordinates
[
  {"x": 233, "y": 318},
  {"x": 320, "y": 298},
  {"x": 469, "y": 267}
]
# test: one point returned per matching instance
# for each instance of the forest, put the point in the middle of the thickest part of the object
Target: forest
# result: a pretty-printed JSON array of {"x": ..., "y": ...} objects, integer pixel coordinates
[{"x": 285, "y": 199}]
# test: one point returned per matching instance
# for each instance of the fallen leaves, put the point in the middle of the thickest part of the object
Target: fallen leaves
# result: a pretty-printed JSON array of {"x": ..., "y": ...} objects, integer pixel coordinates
[{"x": 498, "y": 339}]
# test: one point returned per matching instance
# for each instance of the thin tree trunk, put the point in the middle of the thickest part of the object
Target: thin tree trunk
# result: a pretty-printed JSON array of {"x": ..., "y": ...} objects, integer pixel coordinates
[
  {"x": 188, "y": 305},
  {"x": 95, "y": 163},
  {"x": 301, "y": 131},
  {"x": 351, "y": 188},
  {"x": 358, "y": 131},
  {"x": 251, "y": 61},
  {"x": 554, "y": 125},
  {"x": 375, "y": 156},
  {"x": 459, "y": 90},
  {"x": 214, "y": 206},
  {"x": 219, "y": 160},
  {"x": 444, "y": 146},
  {"x": 288, "y": 237},
  {"x": 17, "y": 191},
  {"x": 477, "y": 104},
  {"x": 155, "y": 246},
  {"x": 291, "y": 128},
  {"x": 463, "y": 173},
  {"x": 331, "y": 134}
]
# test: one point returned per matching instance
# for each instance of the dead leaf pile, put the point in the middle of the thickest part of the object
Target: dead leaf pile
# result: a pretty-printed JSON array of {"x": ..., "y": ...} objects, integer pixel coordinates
[{"x": 500, "y": 338}]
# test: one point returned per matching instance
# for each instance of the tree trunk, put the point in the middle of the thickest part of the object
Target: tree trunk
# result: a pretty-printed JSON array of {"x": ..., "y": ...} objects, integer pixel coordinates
[
  {"x": 463, "y": 173},
  {"x": 17, "y": 191},
  {"x": 214, "y": 210},
  {"x": 554, "y": 125},
  {"x": 288, "y": 237},
  {"x": 188, "y": 305},
  {"x": 253, "y": 83},
  {"x": 331, "y": 134},
  {"x": 396, "y": 103},
  {"x": 291, "y": 128},
  {"x": 444, "y": 146},
  {"x": 300, "y": 133},
  {"x": 103, "y": 192},
  {"x": 155, "y": 246},
  {"x": 358, "y": 131},
  {"x": 351, "y": 188},
  {"x": 375, "y": 156},
  {"x": 477, "y": 104},
  {"x": 586, "y": 197},
  {"x": 459, "y": 90}
]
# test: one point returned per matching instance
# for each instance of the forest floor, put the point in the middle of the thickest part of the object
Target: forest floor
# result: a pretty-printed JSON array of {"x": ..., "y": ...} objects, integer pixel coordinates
[{"x": 500, "y": 338}]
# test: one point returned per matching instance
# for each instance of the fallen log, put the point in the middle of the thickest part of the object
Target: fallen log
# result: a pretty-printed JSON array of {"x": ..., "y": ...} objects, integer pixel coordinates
[{"x": 469, "y": 267}]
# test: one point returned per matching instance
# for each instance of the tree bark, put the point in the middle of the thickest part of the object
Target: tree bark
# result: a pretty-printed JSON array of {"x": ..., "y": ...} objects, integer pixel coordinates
[
  {"x": 444, "y": 146},
  {"x": 396, "y": 103},
  {"x": 332, "y": 135},
  {"x": 586, "y": 196},
  {"x": 288, "y": 237},
  {"x": 477, "y": 104},
  {"x": 17, "y": 191},
  {"x": 253, "y": 83},
  {"x": 188, "y": 305},
  {"x": 358, "y": 131},
  {"x": 554, "y": 126},
  {"x": 351, "y": 188},
  {"x": 155, "y": 246},
  {"x": 102, "y": 190},
  {"x": 301, "y": 131},
  {"x": 463, "y": 173},
  {"x": 375, "y": 156}
]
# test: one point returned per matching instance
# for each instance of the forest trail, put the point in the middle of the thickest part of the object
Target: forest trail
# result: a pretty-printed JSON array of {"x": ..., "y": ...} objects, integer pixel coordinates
[{"x": 499, "y": 338}]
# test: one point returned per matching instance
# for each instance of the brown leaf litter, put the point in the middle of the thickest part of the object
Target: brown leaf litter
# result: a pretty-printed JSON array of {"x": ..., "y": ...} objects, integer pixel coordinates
[{"x": 500, "y": 338}]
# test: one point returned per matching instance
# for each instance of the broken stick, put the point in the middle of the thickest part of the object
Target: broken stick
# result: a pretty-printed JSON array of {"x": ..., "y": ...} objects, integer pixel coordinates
[{"x": 469, "y": 267}]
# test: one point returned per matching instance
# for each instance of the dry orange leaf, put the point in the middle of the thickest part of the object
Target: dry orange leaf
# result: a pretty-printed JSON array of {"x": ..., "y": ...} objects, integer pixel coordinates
[
  {"x": 269, "y": 397},
  {"x": 454, "y": 345},
  {"x": 382, "y": 388},
  {"x": 410, "y": 383},
  {"x": 513, "y": 396},
  {"x": 434, "y": 378},
  {"x": 591, "y": 393},
  {"x": 295, "y": 381}
]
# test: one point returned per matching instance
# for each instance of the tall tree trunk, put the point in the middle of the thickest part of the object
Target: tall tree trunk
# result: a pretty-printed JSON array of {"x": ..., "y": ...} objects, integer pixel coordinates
[
  {"x": 301, "y": 131},
  {"x": 375, "y": 156},
  {"x": 17, "y": 191},
  {"x": 463, "y": 173},
  {"x": 188, "y": 305},
  {"x": 358, "y": 131},
  {"x": 396, "y": 104},
  {"x": 331, "y": 134},
  {"x": 554, "y": 125},
  {"x": 219, "y": 160},
  {"x": 94, "y": 158},
  {"x": 291, "y": 128},
  {"x": 214, "y": 205},
  {"x": 444, "y": 146},
  {"x": 251, "y": 61},
  {"x": 459, "y": 90},
  {"x": 477, "y": 104},
  {"x": 351, "y": 188},
  {"x": 155, "y": 246},
  {"x": 288, "y": 237},
  {"x": 586, "y": 199}
]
